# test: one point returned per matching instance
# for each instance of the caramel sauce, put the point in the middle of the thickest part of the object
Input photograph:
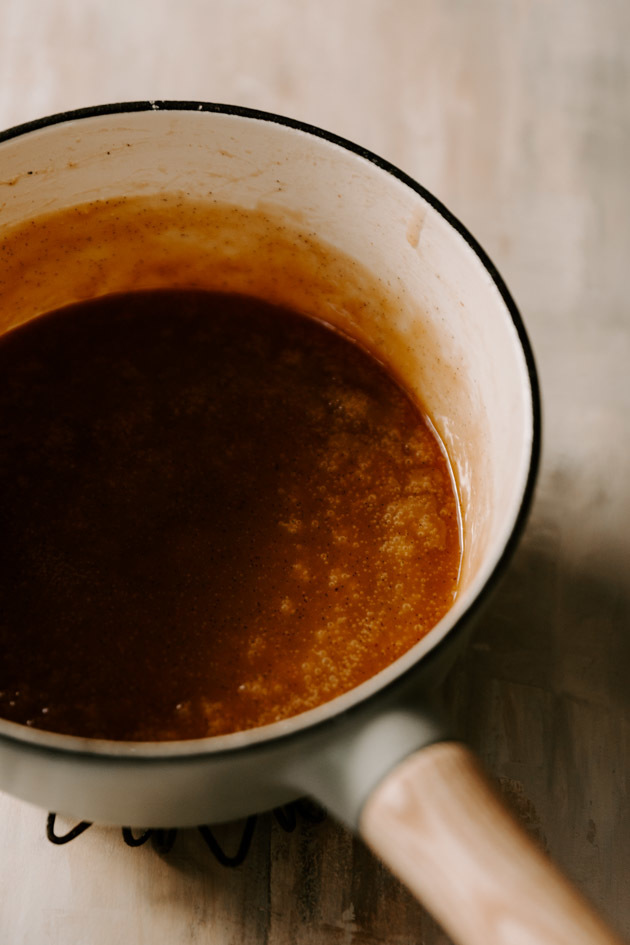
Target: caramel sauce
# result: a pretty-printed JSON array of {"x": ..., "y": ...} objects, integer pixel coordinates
[{"x": 215, "y": 513}]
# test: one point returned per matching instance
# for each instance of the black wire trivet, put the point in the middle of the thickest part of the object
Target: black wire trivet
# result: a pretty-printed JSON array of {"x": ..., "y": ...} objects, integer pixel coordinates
[{"x": 163, "y": 840}]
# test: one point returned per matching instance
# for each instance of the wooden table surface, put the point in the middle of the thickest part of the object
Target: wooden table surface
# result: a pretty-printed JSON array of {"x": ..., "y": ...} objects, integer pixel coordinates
[{"x": 516, "y": 114}]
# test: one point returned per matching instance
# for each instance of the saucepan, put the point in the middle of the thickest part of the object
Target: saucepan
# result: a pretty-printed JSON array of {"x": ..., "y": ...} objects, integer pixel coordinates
[{"x": 204, "y": 195}]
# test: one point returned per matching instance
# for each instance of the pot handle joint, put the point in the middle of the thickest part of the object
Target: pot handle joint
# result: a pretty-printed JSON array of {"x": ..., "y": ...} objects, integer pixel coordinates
[{"x": 360, "y": 750}]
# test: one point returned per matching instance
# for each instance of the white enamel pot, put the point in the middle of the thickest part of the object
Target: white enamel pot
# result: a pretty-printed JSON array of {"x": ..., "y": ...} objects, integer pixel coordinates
[{"x": 379, "y": 757}]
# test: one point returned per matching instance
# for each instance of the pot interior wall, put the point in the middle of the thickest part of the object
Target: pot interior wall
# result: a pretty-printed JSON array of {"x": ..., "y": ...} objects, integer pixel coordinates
[{"x": 225, "y": 201}]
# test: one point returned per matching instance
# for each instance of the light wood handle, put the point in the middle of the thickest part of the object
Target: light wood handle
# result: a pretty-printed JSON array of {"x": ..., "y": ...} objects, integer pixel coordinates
[{"x": 439, "y": 826}]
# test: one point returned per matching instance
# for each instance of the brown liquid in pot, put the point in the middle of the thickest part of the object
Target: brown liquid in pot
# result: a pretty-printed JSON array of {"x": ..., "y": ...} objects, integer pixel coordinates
[{"x": 214, "y": 513}]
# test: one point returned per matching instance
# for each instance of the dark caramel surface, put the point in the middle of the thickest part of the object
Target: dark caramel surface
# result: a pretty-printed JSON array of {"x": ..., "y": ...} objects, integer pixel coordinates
[{"x": 214, "y": 513}]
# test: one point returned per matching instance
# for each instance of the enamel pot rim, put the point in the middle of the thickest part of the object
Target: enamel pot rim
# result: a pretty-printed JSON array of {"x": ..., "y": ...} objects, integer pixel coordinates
[{"x": 363, "y": 697}]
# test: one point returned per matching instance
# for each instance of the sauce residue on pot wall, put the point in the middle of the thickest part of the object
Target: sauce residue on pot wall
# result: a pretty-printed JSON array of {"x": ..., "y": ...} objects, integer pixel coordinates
[
  {"x": 216, "y": 513},
  {"x": 171, "y": 241}
]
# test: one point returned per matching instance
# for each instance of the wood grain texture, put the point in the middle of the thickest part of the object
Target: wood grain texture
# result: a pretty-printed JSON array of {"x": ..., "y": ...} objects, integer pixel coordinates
[
  {"x": 441, "y": 828},
  {"x": 516, "y": 115}
]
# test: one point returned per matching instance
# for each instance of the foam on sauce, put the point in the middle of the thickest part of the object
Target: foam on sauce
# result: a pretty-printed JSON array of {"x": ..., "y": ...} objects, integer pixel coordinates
[{"x": 216, "y": 513}]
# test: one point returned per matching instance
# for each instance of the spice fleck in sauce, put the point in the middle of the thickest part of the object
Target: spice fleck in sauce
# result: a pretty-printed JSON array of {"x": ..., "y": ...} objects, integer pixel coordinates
[{"x": 215, "y": 513}]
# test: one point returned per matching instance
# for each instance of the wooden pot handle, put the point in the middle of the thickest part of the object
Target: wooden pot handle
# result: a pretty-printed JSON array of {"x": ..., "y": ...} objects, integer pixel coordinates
[{"x": 438, "y": 824}]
